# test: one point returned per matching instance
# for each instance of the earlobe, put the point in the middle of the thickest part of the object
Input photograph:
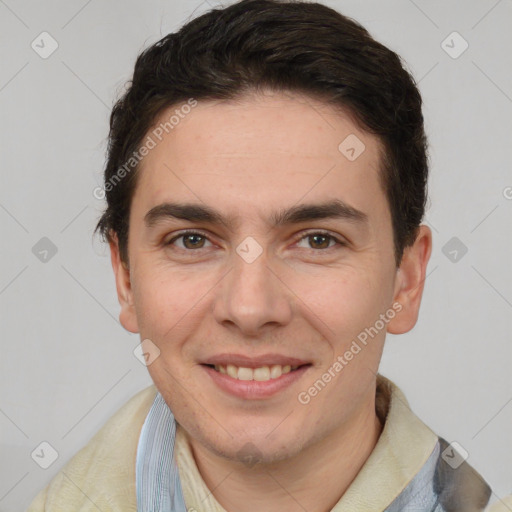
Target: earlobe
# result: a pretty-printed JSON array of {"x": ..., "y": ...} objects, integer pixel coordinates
[
  {"x": 410, "y": 280},
  {"x": 127, "y": 315}
]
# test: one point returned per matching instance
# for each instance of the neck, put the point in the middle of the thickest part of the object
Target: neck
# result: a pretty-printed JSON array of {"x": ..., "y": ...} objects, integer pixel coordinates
[{"x": 304, "y": 482}]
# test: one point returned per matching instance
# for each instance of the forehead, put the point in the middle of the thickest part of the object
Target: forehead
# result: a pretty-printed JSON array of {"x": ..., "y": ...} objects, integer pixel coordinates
[{"x": 270, "y": 150}]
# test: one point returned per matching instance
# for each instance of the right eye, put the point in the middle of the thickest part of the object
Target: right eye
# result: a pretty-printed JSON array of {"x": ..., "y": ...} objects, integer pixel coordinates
[{"x": 191, "y": 240}]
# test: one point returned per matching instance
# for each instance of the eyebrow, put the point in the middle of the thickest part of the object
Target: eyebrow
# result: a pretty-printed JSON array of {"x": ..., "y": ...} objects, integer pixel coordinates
[{"x": 334, "y": 209}]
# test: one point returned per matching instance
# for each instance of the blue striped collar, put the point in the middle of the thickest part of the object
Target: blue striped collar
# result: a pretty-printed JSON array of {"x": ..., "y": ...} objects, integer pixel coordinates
[{"x": 156, "y": 472}]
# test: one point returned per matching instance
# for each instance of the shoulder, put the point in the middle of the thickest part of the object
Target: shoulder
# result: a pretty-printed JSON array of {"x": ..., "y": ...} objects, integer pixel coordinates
[{"x": 102, "y": 474}]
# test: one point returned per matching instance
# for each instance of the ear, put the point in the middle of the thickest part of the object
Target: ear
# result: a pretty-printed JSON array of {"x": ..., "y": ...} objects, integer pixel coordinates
[
  {"x": 409, "y": 282},
  {"x": 127, "y": 315}
]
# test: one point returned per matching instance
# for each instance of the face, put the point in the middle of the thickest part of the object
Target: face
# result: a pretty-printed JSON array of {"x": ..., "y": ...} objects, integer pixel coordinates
[{"x": 272, "y": 255}]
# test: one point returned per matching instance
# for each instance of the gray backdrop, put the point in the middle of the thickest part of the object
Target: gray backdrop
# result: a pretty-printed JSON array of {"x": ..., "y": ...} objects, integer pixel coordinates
[{"x": 67, "y": 364}]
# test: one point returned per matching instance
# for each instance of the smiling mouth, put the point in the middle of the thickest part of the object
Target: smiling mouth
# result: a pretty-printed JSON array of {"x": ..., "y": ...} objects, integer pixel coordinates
[{"x": 262, "y": 373}]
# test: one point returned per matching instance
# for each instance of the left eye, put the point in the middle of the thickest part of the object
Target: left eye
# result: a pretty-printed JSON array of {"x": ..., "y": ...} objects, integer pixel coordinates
[{"x": 320, "y": 240}]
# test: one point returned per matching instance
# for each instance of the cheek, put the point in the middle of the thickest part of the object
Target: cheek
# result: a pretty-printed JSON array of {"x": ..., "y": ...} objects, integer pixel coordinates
[
  {"x": 344, "y": 300},
  {"x": 162, "y": 298},
  {"x": 171, "y": 306}
]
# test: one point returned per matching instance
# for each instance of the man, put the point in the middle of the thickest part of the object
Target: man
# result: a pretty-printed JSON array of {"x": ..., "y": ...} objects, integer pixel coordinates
[{"x": 265, "y": 185}]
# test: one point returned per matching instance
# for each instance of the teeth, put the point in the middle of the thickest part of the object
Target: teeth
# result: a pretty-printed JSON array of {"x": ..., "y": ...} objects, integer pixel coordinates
[
  {"x": 232, "y": 371},
  {"x": 245, "y": 373},
  {"x": 261, "y": 374},
  {"x": 275, "y": 371}
]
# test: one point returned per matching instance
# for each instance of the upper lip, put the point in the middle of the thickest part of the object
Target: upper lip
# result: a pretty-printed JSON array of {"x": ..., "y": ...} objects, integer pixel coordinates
[{"x": 254, "y": 361}]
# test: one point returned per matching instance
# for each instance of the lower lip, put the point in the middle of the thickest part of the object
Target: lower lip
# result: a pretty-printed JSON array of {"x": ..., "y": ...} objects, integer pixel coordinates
[{"x": 255, "y": 389}]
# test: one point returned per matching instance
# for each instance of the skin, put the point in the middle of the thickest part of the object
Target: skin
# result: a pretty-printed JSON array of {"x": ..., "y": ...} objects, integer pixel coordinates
[{"x": 302, "y": 297}]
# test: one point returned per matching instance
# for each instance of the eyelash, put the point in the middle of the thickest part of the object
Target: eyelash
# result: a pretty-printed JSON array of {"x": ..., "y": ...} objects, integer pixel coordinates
[{"x": 337, "y": 241}]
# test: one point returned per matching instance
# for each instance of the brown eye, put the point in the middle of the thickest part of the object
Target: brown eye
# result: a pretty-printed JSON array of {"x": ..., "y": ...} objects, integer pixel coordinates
[
  {"x": 193, "y": 241},
  {"x": 190, "y": 240},
  {"x": 320, "y": 240}
]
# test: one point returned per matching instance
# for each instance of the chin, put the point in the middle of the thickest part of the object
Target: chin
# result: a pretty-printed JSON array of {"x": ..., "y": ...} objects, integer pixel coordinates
[
  {"x": 251, "y": 450},
  {"x": 250, "y": 454}
]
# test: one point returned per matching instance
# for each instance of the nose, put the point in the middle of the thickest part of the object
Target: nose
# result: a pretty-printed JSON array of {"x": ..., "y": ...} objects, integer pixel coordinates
[{"x": 252, "y": 297}]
